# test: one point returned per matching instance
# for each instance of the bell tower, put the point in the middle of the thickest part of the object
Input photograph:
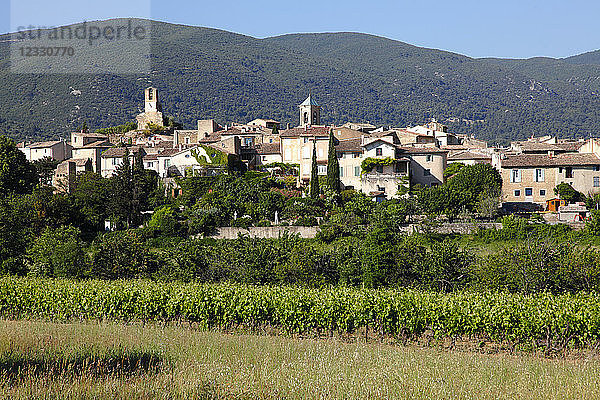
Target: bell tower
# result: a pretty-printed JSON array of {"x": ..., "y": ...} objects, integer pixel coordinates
[
  {"x": 151, "y": 100},
  {"x": 310, "y": 112}
]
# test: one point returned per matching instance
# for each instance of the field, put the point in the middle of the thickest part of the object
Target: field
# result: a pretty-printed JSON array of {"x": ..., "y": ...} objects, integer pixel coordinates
[
  {"x": 105, "y": 360},
  {"x": 554, "y": 323}
]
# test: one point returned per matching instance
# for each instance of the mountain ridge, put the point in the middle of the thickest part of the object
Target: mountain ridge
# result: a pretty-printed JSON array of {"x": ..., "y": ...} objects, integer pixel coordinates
[{"x": 212, "y": 73}]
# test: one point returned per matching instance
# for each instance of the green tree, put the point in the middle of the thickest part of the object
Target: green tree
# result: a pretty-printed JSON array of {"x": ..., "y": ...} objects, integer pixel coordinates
[
  {"x": 45, "y": 168},
  {"x": 15, "y": 232},
  {"x": 17, "y": 175},
  {"x": 58, "y": 253},
  {"x": 119, "y": 255},
  {"x": 453, "y": 169},
  {"x": 314, "y": 174},
  {"x": 121, "y": 193},
  {"x": 333, "y": 166},
  {"x": 90, "y": 195},
  {"x": 567, "y": 192},
  {"x": 275, "y": 130}
]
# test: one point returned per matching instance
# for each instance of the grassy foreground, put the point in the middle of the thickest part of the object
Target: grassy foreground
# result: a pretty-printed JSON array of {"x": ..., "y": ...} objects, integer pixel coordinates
[{"x": 47, "y": 360}]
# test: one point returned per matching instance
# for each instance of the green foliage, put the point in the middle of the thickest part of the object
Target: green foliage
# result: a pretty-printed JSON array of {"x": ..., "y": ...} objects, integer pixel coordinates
[
  {"x": 17, "y": 175},
  {"x": 333, "y": 166},
  {"x": 164, "y": 221},
  {"x": 58, "y": 253},
  {"x": 216, "y": 157},
  {"x": 45, "y": 168},
  {"x": 369, "y": 163},
  {"x": 314, "y": 174},
  {"x": 566, "y": 192},
  {"x": 117, "y": 130},
  {"x": 474, "y": 188},
  {"x": 444, "y": 267},
  {"x": 534, "y": 321},
  {"x": 452, "y": 169},
  {"x": 119, "y": 255},
  {"x": 473, "y": 96},
  {"x": 89, "y": 196}
]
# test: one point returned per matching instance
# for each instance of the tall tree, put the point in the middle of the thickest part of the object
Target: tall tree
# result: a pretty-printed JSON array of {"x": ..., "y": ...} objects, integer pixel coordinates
[
  {"x": 17, "y": 175},
  {"x": 314, "y": 174},
  {"x": 333, "y": 166},
  {"x": 121, "y": 196}
]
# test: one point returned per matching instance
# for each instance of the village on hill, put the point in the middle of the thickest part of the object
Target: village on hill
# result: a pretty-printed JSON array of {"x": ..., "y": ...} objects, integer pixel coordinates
[{"x": 382, "y": 162}]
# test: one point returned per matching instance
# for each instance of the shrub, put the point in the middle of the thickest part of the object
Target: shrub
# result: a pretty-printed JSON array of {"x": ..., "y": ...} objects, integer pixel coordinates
[{"x": 58, "y": 253}]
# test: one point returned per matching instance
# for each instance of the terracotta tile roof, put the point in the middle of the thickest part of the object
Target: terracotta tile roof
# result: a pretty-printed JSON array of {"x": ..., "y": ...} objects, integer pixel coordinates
[
  {"x": 168, "y": 152},
  {"x": 212, "y": 138},
  {"x": 467, "y": 155},
  {"x": 80, "y": 162},
  {"x": 308, "y": 131},
  {"x": 349, "y": 145},
  {"x": 421, "y": 150},
  {"x": 151, "y": 157},
  {"x": 565, "y": 146},
  {"x": 268, "y": 148},
  {"x": 97, "y": 143},
  {"x": 119, "y": 151},
  {"x": 41, "y": 145},
  {"x": 543, "y": 160}
]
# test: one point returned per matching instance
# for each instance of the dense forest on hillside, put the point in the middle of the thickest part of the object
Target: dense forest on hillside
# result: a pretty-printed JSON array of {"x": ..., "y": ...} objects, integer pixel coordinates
[{"x": 208, "y": 73}]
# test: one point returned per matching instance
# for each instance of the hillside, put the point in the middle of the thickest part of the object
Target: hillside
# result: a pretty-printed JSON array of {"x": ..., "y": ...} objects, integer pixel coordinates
[{"x": 209, "y": 73}]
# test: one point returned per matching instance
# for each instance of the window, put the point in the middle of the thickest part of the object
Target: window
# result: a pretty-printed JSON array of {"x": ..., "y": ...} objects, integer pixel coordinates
[
  {"x": 429, "y": 158},
  {"x": 356, "y": 171},
  {"x": 264, "y": 158},
  {"x": 355, "y": 155},
  {"x": 568, "y": 172},
  {"x": 381, "y": 188},
  {"x": 596, "y": 168},
  {"x": 427, "y": 172},
  {"x": 539, "y": 175},
  {"x": 528, "y": 192},
  {"x": 596, "y": 181},
  {"x": 270, "y": 140},
  {"x": 322, "y": 169},
  {"x": 187, "y": 140},
  {"x": 517, "y": 193},
  {"x": 167, "y": 163},
  {"x": 379, "y": 168},
  {"x": 542, "y": 192},
  {"x": 305, "y": 152},
  {"x": 305, "y": 140},
  {"x": 248, "y": 141},
  {"x": 379, "y": 151},
  {"x": 341, "y": 172},
  {"x": 515, "y": 176}
]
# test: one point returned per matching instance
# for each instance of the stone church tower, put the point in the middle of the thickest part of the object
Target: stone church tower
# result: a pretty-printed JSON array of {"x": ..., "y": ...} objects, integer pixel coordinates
[
  {"x": 310, "y": 112},
  {"x": 152, "y": 110}
]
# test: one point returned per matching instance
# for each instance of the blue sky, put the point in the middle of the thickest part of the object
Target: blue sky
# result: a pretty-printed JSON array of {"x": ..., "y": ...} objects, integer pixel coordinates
[{"x": 505, "y": 28}]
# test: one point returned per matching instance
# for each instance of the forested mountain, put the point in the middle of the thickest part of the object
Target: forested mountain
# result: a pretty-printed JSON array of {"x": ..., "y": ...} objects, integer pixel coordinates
[{"x": 209, "y": 73}]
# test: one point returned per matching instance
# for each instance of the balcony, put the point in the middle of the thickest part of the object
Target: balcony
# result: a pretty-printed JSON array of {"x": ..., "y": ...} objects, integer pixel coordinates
[{"x": 377, "y": 176}]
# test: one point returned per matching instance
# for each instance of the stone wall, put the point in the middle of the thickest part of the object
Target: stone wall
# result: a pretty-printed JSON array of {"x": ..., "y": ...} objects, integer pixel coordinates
[
  {"x": 274, "y": 232},
  {"x": 266, "y": 232}
]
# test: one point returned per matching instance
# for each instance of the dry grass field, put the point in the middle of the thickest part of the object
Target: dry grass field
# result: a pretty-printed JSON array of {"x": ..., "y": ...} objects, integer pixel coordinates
[{"x": 45, "y": 360}]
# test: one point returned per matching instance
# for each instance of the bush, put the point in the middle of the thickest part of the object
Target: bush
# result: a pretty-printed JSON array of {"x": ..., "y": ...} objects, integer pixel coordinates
[
  {"x": 306, "y": 221},
  {"x": 120, "y": 255},
  {"x": 164, "y": 221},
  {"x": 58, "y": 253}
]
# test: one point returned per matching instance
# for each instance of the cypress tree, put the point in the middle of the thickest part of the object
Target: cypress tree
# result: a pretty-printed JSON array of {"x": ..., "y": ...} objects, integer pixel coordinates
[
  {"x": 314, "y": 174},
  {"x": 333, "y": 166}
]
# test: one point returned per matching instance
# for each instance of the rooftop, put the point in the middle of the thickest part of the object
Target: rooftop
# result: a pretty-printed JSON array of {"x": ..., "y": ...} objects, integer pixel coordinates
[
  {"x": 544, "y": 160},
  {"x": 309, "y": 101}
]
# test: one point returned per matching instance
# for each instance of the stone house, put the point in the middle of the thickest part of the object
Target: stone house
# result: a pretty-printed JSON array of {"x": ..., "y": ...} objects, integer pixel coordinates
[
  {"x": 92, "y": 151},
  {"x": 58, "y": 150},
  {"x": 112, "y": 159},
  {"x": 531, "y": 178},
  {"x": 67, "y": 171}
]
